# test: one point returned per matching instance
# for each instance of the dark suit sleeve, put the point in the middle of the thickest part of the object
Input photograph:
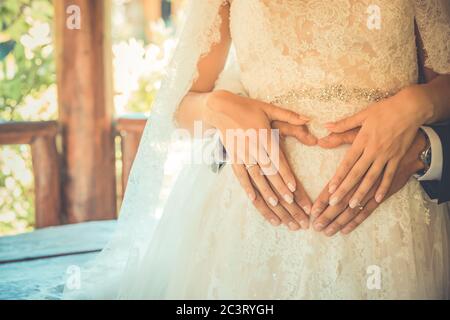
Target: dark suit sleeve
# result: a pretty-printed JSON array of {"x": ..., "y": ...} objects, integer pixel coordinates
[{"x": 441, "y": 189}]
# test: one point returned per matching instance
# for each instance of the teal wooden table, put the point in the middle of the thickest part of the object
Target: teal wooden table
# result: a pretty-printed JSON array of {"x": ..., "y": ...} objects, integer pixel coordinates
[{"x": 34, "y": 265}]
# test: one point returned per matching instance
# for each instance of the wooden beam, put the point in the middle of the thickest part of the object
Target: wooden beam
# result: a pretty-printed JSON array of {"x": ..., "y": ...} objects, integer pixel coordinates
[
  {"x": 25, "y": 132},
  {"x": 41, "y": 136},
  {"x": 85, "y": 109}
]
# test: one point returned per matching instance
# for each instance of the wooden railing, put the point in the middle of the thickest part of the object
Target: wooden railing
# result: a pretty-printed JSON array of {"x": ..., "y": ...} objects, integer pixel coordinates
[
  {"x": 41, "y": 136},
  {"x": 130, "y": 130},
  {"x": 47, "y": 167}
]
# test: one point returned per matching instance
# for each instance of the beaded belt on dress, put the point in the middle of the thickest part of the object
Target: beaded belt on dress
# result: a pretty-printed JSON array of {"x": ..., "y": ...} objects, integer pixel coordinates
[{"x": 329, "y": 93}]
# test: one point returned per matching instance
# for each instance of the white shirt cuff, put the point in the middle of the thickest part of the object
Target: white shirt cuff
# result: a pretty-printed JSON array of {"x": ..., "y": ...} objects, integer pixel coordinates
[{"x": 435, "y": 170}]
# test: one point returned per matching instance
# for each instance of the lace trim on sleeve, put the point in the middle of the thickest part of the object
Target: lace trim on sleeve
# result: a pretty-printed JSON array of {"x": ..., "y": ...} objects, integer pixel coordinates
[{"x": 203, "y": 38}]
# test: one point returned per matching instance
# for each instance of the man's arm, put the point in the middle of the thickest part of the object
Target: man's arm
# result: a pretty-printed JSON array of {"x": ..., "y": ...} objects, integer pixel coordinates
[{"x": 439, "y": 188}]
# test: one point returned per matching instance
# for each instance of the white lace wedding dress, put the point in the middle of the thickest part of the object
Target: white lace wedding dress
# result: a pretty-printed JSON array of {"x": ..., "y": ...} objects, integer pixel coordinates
[{"x": 325, "y": 59}]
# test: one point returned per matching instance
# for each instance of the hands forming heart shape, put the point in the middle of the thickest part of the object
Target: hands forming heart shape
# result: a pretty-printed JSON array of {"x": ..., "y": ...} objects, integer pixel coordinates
[{"x": 385, "y": 140}]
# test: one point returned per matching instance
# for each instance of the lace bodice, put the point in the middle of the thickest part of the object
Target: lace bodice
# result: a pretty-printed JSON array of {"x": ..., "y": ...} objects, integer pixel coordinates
[{"x": 353, "y": 43}]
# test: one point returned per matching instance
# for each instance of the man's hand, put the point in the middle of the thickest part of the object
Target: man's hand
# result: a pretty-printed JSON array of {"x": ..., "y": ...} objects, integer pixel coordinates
[
  {"x": 387, "y": 130},
  {"x": 332, "y": 219}
]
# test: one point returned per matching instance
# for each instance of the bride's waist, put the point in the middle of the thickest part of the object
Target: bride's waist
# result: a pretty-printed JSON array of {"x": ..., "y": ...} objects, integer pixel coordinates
[{"x": 325, "y": 104}]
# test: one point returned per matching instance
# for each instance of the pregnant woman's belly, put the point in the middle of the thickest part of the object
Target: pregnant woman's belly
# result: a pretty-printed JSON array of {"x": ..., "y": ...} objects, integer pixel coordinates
[
  {"x": 314, "y": 166},
  {"x": 235, "y": 242}
]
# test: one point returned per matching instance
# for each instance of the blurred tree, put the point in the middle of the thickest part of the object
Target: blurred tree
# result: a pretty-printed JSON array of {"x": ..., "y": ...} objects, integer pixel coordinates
[
  {"x": 27, "y": 92},
  {"x": 26, "y": 53}
]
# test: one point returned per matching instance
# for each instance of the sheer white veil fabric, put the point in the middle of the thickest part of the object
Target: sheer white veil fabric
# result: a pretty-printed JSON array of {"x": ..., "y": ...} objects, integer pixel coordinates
[{"x": 153, "y": 225}]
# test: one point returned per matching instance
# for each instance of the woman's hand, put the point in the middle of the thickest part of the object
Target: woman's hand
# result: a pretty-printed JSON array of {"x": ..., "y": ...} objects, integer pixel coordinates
[
  {"x": 387, "y": 130},
  {"x": 245, "y": 128}
]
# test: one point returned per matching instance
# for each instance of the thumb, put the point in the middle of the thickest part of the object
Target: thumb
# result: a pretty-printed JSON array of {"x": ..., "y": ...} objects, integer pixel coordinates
[
  {"x": 348, "y": 123},
  {"x": 280, "y": 114},
  {"x": 335, "y": 140}
]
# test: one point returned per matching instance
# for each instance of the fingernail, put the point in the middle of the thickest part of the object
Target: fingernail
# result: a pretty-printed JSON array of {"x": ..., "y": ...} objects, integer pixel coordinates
[
  {"x": 345, "y": 231},
  {"x": 353, "y": 203},
  {"x": 274, "y": 222},
  {"x": 291, "y": 187},
  {"x": 304, "y": 224},
  {"x": 273, "y": 202},
  {"x": 316, "y": 212},
  {"x": 334, "y": 201},
  {"x": 251, "y": 196},
  {"x": 332, "y": 188},
  {"x": 379, "y": 198},
  {"x": 307, "y": 209},
  {"x": 318, "y": 226},
  {"x": 330, "y": 231},
  {"x": 293, "y": 226},
  {"x": 288, "y": 198}
]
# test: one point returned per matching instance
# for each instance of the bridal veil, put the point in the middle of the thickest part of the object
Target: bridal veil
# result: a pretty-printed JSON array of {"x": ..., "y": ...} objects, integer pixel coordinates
[{"x": 149, "y": 221}]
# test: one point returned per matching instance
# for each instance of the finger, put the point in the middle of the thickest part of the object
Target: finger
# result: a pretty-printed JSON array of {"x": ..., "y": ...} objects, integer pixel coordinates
[
  {"x": 388, "y": 176},
  {"x": 341, "y": 221},
  {"x": 277, "y": 113},
  {"x": 280, "y": 163},
  {"x": 353, "y": 177},
  {"x": 321, "y": 202},
  {"x": 296, "y": 213},
  {"x": 262, "y": 185},
  {"x": 301, "y": 133},
  {"x": 348, "y": 123},
  {"x": 368, "y": 182},
  {"x": 302, "y": 198},
  {"x": 280, "y": 187},
  {"x": 349, "y": 214},
  {"x": 286, "y": 173},
  {"x": 243, "y": 149},
  {"x": 335, "y": 140},
  {"x": 240, "y": 171},
  {"x": 265, "y": 211},
  {"x": 329, "y": 215},
  {"x": 363, "y": 215},
  {"x": 286, "y": 217},
  {"x": 350, "y": 158},
  {"x": 278, "y": 166}
]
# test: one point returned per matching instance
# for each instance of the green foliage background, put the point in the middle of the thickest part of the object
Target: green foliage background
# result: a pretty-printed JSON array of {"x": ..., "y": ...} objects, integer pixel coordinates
[
  {"x": 28, "y": 85},
  {"x": 26, "y": 73}
]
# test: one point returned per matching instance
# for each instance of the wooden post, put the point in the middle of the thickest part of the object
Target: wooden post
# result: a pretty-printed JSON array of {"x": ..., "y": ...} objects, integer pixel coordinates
[
  {"x": 85, "y": 109},
  {"x": 46, "y": 181},
  {"x": 41, "y": 136},
  {"x": 130, "y": 131}
]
